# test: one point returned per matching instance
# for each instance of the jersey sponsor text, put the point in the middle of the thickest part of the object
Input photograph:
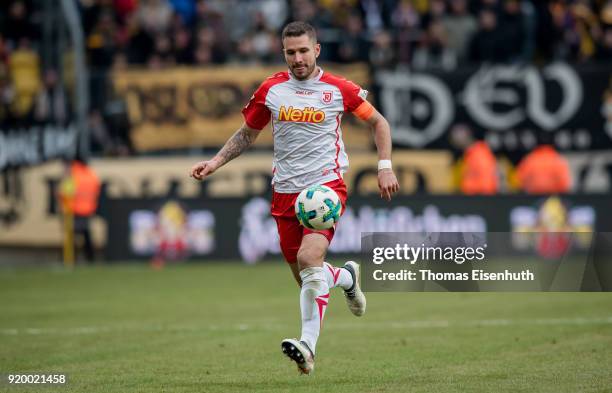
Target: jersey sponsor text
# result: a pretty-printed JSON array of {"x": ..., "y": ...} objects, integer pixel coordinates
[{"x": 306, "y": 115}]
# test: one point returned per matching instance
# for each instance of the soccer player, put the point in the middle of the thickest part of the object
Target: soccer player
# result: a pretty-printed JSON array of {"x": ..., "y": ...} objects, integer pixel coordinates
[{"x": 306, "y": 105}]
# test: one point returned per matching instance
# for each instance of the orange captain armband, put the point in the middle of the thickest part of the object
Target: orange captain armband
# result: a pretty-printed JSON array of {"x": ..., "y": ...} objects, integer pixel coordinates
[{"x": 364, "y": 111}]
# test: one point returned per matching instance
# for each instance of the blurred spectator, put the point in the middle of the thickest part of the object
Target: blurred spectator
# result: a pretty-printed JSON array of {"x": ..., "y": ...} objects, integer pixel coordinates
[
  {"x": 163, "y": 52},
  {"x": 353, "y": 46},
  {"x": 115, "y": 123},
  {"x": 378, "y": 9},
  {"x": 183, "y": 46},
  {"x": 460, "y": 26},
  {"x": 209, "y": 49},
  {"x": 140, "y": 43},
  {"x": 274, "y": 12},
  {"x": 529, "y": 27},
  {"x": 154, "y": 15},
  {"x": 244, "y": 51},
  {"x": 7, "y": 97},
  {"x": 606, "y": 13},
  {"x": 436, "y": 11},
  {"x": 100, "y": 136},
  {"x": 92, "y": 10},
  {"x": 513, "y": 32},
  {"x": 382, "y": 54},
  {"x": 372, "y": 12},
  {"x": 340, "y": 10},
  {"x": 578, "y": 27},
  {"x": 211, "y": 40},
  {"x": 186, "y": 10},
  {"x": 6, "y": 91},
  {"x": 321, "y": 17},
  {"x": 544, "y": 171},
  {"x": 101, "y": 42},
  {"x": 24, "y": 68},
  {"x": 266, "y": 46},
  {"x": 125, "y": 8},
  {"x": 203, "y": 55},
  {"x": 51, "y": 102},
  {"x": 17, "y": 24},
  {"x": 405, "y": 21},
  {"x": 492, "y": 5},
  {"x": 604, "y": 49},
  {"x": 4, "y": 52},
  {"x": 488, "y": 44},
  {"x": 433, "y": 51}
]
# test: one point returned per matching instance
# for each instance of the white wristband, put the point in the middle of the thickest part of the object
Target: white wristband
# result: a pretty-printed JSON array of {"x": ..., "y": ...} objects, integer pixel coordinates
[{"x": 384, "y": 164}]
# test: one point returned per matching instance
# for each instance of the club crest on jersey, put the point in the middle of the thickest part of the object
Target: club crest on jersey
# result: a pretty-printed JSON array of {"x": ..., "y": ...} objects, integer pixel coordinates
[
  {"x": 327, "y": 96},
  {"x": 306, "y": 115}
]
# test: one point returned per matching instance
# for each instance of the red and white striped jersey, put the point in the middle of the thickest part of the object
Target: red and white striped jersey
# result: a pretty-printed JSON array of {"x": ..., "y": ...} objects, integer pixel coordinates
[{"x": 306, "y": 117}]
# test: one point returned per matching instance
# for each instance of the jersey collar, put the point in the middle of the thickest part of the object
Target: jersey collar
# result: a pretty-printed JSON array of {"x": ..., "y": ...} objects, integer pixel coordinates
[{"x": 311, "y": 80}]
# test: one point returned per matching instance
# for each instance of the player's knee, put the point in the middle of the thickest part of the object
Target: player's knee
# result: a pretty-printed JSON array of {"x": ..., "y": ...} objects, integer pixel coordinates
[
  {"x": 308, "y": 257},
  {"x": 314, "y": 278}
]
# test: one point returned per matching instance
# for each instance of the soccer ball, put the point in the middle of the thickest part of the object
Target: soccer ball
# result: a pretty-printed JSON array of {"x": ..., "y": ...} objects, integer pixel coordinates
[{"x": 318, "y": 207}]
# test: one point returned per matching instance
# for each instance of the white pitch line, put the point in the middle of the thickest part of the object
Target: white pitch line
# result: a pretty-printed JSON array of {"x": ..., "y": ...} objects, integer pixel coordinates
[{"x": 430, "y": 324}]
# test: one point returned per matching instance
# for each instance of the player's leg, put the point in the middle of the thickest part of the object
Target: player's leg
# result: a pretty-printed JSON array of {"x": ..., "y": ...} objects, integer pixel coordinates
[
  {"x": 290, "y": 233},
  {"x": 314, "y": 296}
]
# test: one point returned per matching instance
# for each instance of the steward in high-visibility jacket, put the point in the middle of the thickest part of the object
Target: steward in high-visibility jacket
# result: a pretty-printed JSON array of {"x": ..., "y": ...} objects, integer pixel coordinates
[
  {"x": 544, "y": 171},
  {"x": 478, "y": 170},
  {"x": 80, "y": 191}
]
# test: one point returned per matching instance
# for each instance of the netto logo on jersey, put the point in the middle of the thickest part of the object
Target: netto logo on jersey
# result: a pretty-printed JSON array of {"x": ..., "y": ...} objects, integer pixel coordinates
[{"x": 306, "y": 115}]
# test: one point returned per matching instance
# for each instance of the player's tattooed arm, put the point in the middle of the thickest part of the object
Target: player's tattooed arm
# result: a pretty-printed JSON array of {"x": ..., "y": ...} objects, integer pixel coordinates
[{"x": 238, "y": 143}]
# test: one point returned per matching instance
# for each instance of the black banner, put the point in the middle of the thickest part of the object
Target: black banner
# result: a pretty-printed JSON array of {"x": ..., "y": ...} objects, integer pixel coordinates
[
  {"x": 509, "y": 106},
  {"x": 242, "y": 228},
  {"x": 36, "y": 144}
]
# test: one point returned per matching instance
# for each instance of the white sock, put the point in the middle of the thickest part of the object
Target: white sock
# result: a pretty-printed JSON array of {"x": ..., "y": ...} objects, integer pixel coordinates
[
  {"x": 313, "y": 302},
  {"x": 337, "y": 277}
]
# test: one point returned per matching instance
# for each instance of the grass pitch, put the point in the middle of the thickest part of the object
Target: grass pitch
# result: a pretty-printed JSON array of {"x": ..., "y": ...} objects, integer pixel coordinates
[{"x": 218, "y": 327}]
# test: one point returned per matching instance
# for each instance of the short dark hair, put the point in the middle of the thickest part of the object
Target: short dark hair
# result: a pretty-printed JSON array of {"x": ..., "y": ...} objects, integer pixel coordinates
[{"x": 296, "y": 29}]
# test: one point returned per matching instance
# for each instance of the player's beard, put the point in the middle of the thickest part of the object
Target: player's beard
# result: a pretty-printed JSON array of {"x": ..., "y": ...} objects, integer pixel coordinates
[{"x": 309, "y": 69}]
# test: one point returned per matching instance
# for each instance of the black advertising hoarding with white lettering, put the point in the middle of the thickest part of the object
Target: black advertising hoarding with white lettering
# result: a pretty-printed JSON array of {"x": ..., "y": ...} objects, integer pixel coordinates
[
  {"x": 506, "y": 105},
  {"x": 36, "y": 144},
  {"x": 209, "y": 229}
]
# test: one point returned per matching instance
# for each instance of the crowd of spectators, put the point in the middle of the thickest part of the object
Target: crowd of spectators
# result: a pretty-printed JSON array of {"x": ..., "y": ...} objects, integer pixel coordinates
[
  {"x": 35, "y": 90},
  {"x": 156, "y": 34},
  {"x": 420, "y": 33}
]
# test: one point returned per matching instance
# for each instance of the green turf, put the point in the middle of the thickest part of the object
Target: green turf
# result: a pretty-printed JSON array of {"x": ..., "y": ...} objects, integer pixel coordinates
[{"x": 217, "y": 328}]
